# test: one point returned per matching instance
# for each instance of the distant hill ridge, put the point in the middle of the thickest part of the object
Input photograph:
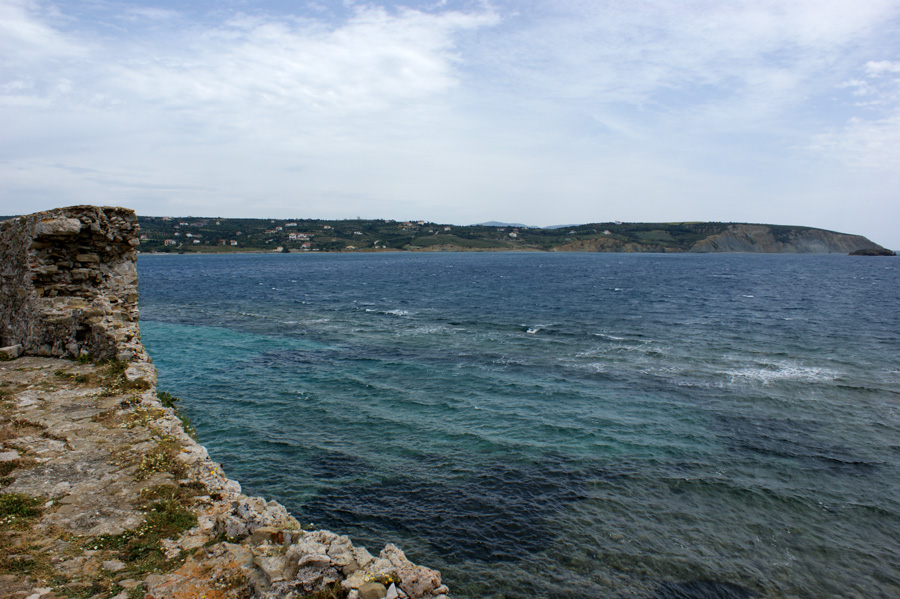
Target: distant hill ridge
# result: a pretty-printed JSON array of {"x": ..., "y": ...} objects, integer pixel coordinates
[{"x": 206, "y": 234}]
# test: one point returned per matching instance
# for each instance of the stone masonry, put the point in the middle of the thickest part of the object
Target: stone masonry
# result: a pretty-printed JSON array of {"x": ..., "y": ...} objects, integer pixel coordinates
[{"x": 68, "y": 284}]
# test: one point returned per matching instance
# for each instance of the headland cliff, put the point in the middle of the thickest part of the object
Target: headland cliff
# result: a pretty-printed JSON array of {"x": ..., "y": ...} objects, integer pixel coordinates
[{"x": 103, "y": 491}]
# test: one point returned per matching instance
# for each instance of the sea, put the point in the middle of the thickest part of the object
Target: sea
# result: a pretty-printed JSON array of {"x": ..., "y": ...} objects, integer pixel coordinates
[{"x": 557, "y": 425}]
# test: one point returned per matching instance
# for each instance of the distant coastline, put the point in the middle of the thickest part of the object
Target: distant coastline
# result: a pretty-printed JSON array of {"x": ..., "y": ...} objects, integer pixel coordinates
[
  {"x": 233, "y": 235},
  {"x": 212, "y": 235}
]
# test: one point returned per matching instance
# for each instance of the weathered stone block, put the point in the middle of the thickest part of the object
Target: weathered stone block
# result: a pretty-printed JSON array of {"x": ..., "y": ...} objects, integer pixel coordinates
[
  {"x": 38, "y": 283},
  {"x": 372, "y": 590},
  {"x": 58, "y": 226},
  {"x": 265, "y": 534},
  {"x": 10, "y": 352}
]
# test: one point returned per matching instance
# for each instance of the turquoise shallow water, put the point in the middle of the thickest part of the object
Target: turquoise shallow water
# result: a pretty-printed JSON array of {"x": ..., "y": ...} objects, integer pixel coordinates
[{"x": 558, "y": 425}]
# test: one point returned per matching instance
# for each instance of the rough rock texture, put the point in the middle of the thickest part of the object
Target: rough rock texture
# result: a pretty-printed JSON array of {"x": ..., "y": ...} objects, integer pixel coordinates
[
  {"x": 102, "y": 492},
  {"x": 765, "y": 239},
  {"x": 68, "y": 283}
]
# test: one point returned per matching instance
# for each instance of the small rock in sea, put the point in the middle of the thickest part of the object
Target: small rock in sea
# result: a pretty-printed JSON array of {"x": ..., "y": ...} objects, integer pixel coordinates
[{"x": 873, "y": 252}]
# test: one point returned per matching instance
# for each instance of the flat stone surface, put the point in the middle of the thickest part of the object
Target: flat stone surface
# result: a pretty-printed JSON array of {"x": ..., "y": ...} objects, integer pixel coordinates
[{"x": 85, "y": 453}]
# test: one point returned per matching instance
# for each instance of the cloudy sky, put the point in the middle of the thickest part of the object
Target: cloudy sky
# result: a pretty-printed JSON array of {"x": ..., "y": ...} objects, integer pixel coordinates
[{"x": 537, "y": 111}]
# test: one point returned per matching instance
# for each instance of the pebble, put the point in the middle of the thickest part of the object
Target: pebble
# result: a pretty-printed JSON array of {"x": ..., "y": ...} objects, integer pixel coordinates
[{"x": 114, "y": 565}]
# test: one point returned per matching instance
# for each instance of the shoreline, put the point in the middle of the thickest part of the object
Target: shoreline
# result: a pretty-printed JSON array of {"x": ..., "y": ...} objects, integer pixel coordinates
[{"x": 103, "y": 491}]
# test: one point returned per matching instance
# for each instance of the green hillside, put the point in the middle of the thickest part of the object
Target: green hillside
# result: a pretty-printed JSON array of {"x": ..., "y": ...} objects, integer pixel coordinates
[{"x": 193, "y": 234}]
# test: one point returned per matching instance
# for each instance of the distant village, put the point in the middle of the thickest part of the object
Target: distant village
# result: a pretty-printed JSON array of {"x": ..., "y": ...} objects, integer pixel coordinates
[{"x": 190, "y": 234}]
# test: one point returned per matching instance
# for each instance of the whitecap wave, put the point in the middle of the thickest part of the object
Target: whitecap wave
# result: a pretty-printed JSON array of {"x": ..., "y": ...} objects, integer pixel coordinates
[
  {"x": 394, "y": 312},
  {"x": 534, "y": 329},
  {"x": 782, "y": 371},
  {"x": 610, "y": 337}
]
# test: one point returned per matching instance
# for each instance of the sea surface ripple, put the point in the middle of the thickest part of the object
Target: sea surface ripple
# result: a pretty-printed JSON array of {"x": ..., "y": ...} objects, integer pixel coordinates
[{"x": 558, "y": 425}]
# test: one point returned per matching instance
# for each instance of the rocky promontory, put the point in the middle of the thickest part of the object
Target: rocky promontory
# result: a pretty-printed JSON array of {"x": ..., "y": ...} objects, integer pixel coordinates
[
  {"x": 103, "y": 491},
  {"x": 777, "y": 240},
  {"x": 874, "y": 252}
]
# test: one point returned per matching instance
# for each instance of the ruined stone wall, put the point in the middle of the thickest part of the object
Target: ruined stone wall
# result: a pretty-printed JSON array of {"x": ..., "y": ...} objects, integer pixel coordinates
[
  {"x": 68, "y": 284},
  {"x": 89, "y": 446}
]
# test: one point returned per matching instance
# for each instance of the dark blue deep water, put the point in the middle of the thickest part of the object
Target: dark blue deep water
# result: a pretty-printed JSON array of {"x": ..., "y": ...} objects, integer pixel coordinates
[{"x": 558, "y": 425}]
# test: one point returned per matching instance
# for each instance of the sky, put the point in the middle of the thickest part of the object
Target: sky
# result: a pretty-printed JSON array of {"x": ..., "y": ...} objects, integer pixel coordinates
[{"x": 543, "y": 112}]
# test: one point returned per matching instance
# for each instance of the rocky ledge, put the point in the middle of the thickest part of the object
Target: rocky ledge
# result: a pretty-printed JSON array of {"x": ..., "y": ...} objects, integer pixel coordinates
[{"x": 103, "y": 493}]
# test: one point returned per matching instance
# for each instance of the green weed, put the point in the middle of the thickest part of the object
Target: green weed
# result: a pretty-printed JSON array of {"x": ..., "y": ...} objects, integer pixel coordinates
[{"x": 17, "y": 509}]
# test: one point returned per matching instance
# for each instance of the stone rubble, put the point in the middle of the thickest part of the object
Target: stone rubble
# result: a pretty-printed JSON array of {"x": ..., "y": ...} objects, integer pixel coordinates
[{"x": 88, "y": 443}]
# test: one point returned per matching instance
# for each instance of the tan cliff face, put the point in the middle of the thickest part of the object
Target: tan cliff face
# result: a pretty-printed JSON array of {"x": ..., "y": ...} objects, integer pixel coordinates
[
  {"x": 763, "y": 239},
  {"x": 102, "y": 491}
]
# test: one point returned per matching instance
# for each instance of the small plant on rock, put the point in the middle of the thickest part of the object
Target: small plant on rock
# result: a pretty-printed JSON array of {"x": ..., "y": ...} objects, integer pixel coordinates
[
  {"x": 141, "y": 548},
  {"x": 169, "y": 401},
  {"x": 17, "y": 509},
  {"x": 162, "y": 458}
]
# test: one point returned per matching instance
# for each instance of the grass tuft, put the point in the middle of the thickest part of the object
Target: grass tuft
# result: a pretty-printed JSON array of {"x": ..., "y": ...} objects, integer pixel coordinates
[
  {"x": 17, "y": 509},
  {"x": 169, "y": 401},
  {"x": 141, "y": 548}
]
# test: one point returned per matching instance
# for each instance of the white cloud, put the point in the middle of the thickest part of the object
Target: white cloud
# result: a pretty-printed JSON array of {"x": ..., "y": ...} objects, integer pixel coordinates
[
  {"x": 27, "y": 39},
  {"x": 869, "y": 140},
  {"x": 511, "y": 111},
  {"x": 882, "y": 66}
]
